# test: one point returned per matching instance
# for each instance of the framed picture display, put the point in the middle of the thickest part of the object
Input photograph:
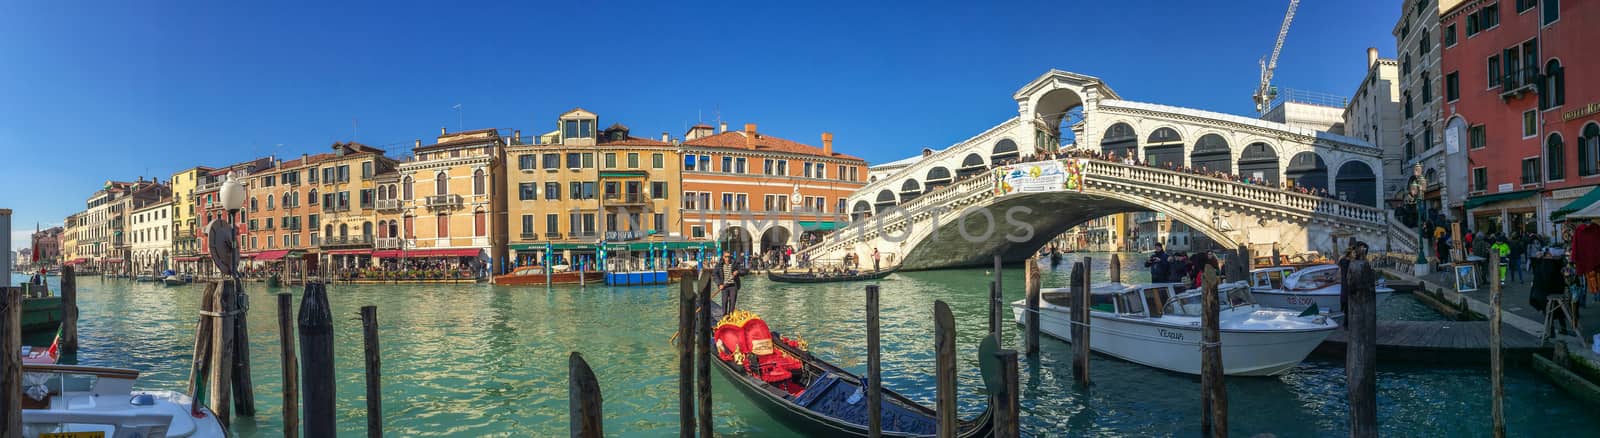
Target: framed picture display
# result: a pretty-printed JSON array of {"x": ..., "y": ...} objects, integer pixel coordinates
[{"x": 1466, "y": 277}]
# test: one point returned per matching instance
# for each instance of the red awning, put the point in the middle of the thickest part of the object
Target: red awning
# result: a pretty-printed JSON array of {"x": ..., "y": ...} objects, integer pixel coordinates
[
  {"x": 111, "y": 260},
  {"x": 350, "y": 252},
  {"x": 426, "y": 253},
  {"x": 269, "y": 255},
  {"x": 77, "y": 261},
  {"x": 188, "y": 259}
]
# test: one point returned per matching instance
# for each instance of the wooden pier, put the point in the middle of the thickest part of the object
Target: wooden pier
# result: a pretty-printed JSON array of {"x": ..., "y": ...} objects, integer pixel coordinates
[{"x": 1437, "y": 341}]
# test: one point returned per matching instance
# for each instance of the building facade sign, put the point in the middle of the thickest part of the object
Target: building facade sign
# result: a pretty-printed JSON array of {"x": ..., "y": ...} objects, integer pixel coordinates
[
  {"x": 1581, "y": 112},
  {"x": 1046, "y": 176}
]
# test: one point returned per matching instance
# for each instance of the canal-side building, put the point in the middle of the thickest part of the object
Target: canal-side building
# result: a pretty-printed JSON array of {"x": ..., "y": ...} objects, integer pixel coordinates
[
  {"x": 450, "y": 193},
  {"x": 1417, "y": 37},
  {"x": 135, "y": 197},
  {"x": 281, "y": 203},
  {"x": 1373, "y": 114},
  {"x": 47, "y": 245},
  {"x": 345, "y": 227},
  {"x": 208, "y": 203},
  {"x": 754, "y": 192},
  {"x": 185, "y": 244},
  {"x": 150, "y": 237},
  {"x": 1523, "y": 100},
  {"x": 581, "y": 186},
  {"x": 69, "y": 240}
]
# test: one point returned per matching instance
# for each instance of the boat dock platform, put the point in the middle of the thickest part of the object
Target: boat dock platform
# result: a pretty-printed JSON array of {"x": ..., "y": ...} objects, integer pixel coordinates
[{"x": 1439, "y": 341}]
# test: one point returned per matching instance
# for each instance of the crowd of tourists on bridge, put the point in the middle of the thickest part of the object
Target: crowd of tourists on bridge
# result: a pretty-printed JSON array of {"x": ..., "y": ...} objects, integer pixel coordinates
[{"x": 1132, "y": 160}]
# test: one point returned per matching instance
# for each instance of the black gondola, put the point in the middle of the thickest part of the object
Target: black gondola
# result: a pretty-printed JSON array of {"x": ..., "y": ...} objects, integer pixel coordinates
[
  {"x": 819, "y": 399},
  {"x": 807, "y": 277}
]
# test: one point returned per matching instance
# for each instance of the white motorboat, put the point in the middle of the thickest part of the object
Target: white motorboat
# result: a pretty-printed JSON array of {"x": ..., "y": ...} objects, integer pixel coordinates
[
  {"x": 95, "y": 402},
  {"x": 1158, "y": 325},
  {"x": 1297, "y": 289}
]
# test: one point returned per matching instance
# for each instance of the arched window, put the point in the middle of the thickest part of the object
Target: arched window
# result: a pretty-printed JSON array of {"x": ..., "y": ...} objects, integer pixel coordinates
[
  {"x": 1553, "y": 91},
  {"x": 477, "y": 182},
  {"x": 411, "y": 227},
  {"x": 1164, "y": 148},
  {"x": 1211, "y": 154},
  {"x": 1589, "y": 150},
  {"x": 405, "y": 186},
  {"x": 311, "y": 197},
  {"x": 344, "y": 231},
  {"x": 1120, "y": 139},
  {"x": 329, "y": 231},
  {"x": 252, "y": 204},
  {"x": 383, "y": 230},
  {"x": 366, "y": 230},
  {"x": 1356, "y": 183},
  {"x": 270, "y": 198},
  {"x": 286, "y": 202},
  {"x": 441, "y": 184},
  {"x": 394, "y": 229},
  {"x": 1004, "y": 149},
  {"x": 480, "y": 224},
  {"x": 1259, "y": 162},
  {"x": 1555, "y": 160}
]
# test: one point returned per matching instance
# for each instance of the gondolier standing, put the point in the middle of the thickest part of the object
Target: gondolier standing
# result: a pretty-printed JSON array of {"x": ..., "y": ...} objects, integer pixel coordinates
[
  {"x": 729, "y": 283},
  {"x": 875, "y": 260}
]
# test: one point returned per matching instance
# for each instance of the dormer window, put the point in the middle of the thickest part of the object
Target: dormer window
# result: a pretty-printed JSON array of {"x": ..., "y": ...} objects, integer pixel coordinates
[{"x": 580, "y": 128}]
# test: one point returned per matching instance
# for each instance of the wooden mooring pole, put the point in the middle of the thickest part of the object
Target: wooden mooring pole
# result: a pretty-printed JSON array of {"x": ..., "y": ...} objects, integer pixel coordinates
[
  {"x": 290, "y": 366},
  {"x": 1213, "y": 393},
  {"x": 686, "y": 342},
  {"x": 10, "y": 342},
  {"x": 316, "y": 362},
  {"x": 1031, "y": 316},
  {"x": 1006, "y": 403},
  {"x": 583, "y": 393},
  {"x": 1496, "y": 364},
  {"x": 702, "y": 370},
  {"x": 222, "y": 356},
  {"x": 244, "y": 392},
  {"x": 1361, "y": 354},
  {"x": 874, "y": 370},
  {"x": 1115, "y": 269},
  {"x": 369, "y": 342},
  {"x": 1080, "y": 321},
  {"x": 200, "y": 383},
  {"x": 995, "y": 292},
  {"x": 944, "y": 360},
  {"x": 69, "y": 311}
]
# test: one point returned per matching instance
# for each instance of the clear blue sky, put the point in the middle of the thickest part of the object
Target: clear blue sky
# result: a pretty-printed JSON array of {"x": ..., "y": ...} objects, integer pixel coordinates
[{"x": 120, "y": 89}]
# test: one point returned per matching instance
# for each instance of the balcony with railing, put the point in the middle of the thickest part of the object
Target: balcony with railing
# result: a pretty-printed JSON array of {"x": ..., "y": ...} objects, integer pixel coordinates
[
  {"x": 529, "y": 236},
  {"x": 581, "y": 235},
  {"x": 388, "y": 205},
  {"x": 626, "y": 199},
  {"x": 1519, "y": 79},
  {"x": 443, "y": 201},
  {"x": 552, "y": 235},
  {"x": 388, "y": 243},
  {"x": 347, "y": 241}
]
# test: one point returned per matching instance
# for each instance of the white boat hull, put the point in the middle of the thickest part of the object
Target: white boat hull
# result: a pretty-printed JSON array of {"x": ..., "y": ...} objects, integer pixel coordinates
[
  {"x": 1327, "y": 301},
  {"x": 1175, "y": 348}
]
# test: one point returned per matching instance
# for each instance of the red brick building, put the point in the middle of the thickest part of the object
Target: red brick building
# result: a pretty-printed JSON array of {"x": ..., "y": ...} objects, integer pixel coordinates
[{"x": 1516, "y": 96}]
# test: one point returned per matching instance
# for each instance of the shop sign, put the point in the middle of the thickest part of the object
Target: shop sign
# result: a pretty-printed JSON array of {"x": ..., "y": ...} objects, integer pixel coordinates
[{"x": 1583, "y": 111}]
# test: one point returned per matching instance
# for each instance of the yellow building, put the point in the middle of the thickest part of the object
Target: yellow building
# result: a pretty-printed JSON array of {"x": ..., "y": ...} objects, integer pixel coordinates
[
  {"x": 449, "y": 194},
  {"x": 344, "y": 196},
  {"x": 185, "y": 246},
  {"x": 69, "y": 238},
  {"x": 580, "y": 186}
]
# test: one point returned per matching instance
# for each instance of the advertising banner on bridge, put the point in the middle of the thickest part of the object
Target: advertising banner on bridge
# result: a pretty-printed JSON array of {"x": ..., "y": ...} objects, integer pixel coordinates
[{"x": 1043, "y": 176}]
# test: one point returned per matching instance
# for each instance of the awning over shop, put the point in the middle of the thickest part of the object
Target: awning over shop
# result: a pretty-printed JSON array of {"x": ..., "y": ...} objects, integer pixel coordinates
[
  {"x": 553, "y": 246},
  {"x": 77, "y": 261},
  {"x": 350, "y": 252},
  {"x": 427, "y": 253},
  {"x": 649, "y": 246},
  {"x": 1590, "y": 212},
  {"x": 819, "y": 225},
  {"x": 1579, "y": 204},
  {"x": 1479, "y": 201},
  {"x": 267, "y": 256}
]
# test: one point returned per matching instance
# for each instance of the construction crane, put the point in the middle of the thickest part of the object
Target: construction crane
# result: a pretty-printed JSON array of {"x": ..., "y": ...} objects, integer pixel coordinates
[{"x": 1265, "y": 93}]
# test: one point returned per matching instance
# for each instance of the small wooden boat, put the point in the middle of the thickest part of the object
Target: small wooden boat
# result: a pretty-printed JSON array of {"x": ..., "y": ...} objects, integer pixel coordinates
[
  {"x": 534, "y": 275},
  {"x": 80, "y": 401},
  {"x": 810, "y": 277},
  {"x": 810, "y": 395},
  {"x": 173, "y": 280},
  {"x": 41, "y": 310}
]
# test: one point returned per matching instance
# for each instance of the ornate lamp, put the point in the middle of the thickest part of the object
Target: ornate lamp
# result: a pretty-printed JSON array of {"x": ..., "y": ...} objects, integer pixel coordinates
[{"x": 223, "y": 235}]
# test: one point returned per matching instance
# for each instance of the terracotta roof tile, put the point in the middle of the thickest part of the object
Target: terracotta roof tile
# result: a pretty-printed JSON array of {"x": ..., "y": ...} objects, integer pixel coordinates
[
  {"x": 633, "y": 141},
  {"x": 764, "y": 143}
]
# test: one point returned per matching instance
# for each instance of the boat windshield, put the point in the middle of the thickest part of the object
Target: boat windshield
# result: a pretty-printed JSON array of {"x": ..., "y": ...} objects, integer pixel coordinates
[
  {"x": 1269, "y": 278},
  {"x": 1312, "y": 279},
  {"x": 1130, "y": 303},
  {"x": 1184, "y": 305},
  {"x": 1239, "y": 296}
]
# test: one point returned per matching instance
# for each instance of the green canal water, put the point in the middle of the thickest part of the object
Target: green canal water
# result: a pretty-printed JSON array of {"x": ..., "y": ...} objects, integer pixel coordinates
[{"x": 478, "y": 360}]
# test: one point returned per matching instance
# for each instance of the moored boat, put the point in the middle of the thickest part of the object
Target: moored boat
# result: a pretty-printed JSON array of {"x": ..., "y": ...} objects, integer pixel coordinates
[
  {"x": 41, "y": 310},
  {"x": 827, "y": 277},
  {"x": 80, "y": 401},
  {"x": 1158, "y": 325},
  {"x": 808, "y": 394},
  {"x": 535, "y": 275},
  {"x": 1300, "y": 288}
]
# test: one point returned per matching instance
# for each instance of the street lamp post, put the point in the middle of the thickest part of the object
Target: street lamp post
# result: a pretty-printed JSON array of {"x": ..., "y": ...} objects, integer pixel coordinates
[
  {"x": 224, "y": 239},
  {"x": 1418, "y": 187}
]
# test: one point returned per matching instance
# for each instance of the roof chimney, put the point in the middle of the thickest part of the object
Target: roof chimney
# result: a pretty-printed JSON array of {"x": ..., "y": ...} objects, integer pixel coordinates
[
  {"x": 1372, "y": 56},
  {"x": 441, "y": 130},
  {"x": 516, "y": 136},
  {"x": 305, "y": 159},
  {"x": 666, "y": 137},
  {"x": 723, "y": 127},
  {"x": 827, "y": 143},
  {"x": 419, "y": 143},
  {"x": 750, "y": 136}
]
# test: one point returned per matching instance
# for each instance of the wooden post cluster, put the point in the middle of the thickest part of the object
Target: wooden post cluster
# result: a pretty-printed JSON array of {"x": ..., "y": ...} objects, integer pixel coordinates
[
  {"x": 1361, "y": 354},
  {"x": 244, "y": 392},
  {"x": 1496, "y": 364},
  {"x": 316, "y": 364},
  {"x": 11, "y": 343},
  {"x": 1007, "y": 406},
  {"x": 222, "y": 365},
  {"x": 369, "y": 342},
  {"x": 69, "y": 311},
  {"x": 702, "y": 371},
  {"x": 583, "y": 394},
  {"x": 200, "y": 383},
  {"x": 1115, "y": 269},
  {"x": 1213, "y": 393},
  {"x": 686, "y": 342},
  {"x": 1080, "y": 321},
  {"x": 290, "y": 366},
  {"x": 995, "y": 293},
  {"x": 874, "y": 368},
  {"x": 1032, "y": 314},
  {"x": 944, "y": 347}
]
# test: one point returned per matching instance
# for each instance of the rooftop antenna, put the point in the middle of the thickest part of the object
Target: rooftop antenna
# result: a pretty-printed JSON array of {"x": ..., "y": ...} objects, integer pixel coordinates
[{"x": 458, "y": 117}]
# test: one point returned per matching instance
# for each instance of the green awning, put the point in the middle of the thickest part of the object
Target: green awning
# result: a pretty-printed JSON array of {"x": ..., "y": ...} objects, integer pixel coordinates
[
  {"x": 1479, "y": 201},
  {"x": 555, "y": 246},
  {"x": 819, "y": 225},
  {"x": 1578, "y": 204},
  {"x": 646, "y": 246},
  {"x": 622, "y": 174}
]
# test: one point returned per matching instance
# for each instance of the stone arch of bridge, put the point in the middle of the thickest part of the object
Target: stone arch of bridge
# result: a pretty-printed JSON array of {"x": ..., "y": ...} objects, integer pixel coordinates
[{"x": 1018, "y": 226}]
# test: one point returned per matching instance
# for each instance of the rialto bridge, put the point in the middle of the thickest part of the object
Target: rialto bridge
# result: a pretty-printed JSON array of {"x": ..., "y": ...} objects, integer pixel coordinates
[{"x": 945, "y": 209}]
